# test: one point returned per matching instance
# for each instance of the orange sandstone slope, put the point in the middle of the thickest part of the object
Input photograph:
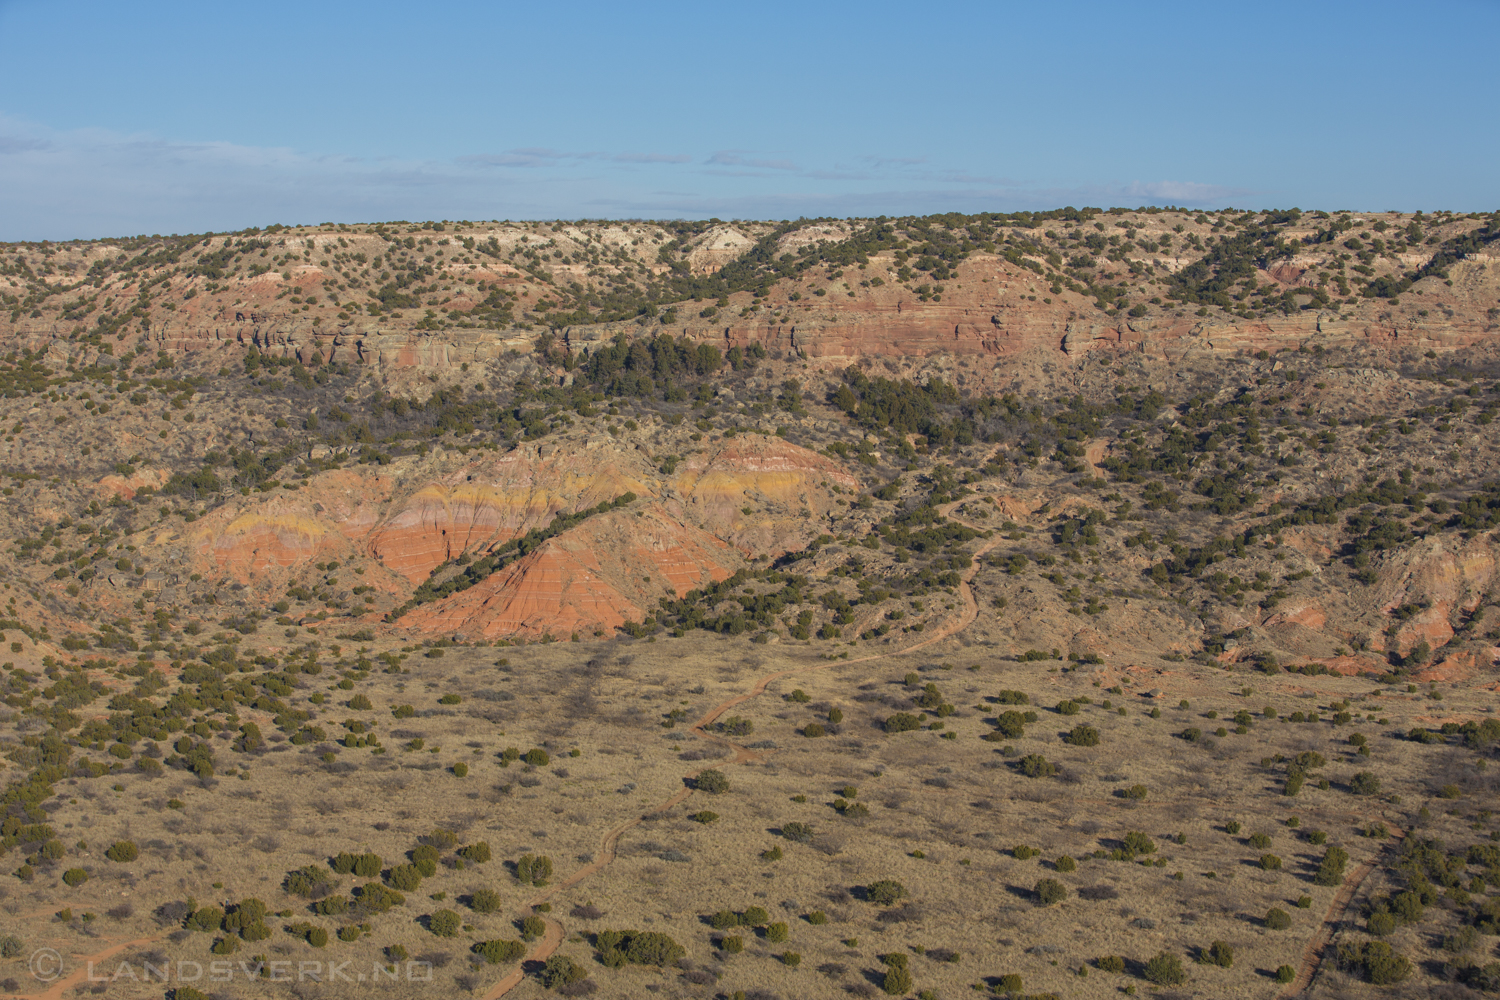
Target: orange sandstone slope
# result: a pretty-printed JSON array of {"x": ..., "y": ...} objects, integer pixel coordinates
[{"x": 695, "y": 520}]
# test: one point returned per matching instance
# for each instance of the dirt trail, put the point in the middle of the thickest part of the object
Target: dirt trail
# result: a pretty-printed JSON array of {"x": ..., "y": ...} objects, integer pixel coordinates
[
  {"x": 58, "y": 987},
  {"x": 549, "y": 944},
  {"x": 1317, "y": 945}
]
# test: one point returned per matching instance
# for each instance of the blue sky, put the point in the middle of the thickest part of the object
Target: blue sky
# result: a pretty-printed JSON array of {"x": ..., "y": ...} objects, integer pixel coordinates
[{"x": 164, "y": 117}]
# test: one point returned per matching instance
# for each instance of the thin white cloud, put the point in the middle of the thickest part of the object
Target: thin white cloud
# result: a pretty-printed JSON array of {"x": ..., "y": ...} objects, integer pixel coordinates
[
  {"x": 91, "y": 182},
  {"x": 736, "y": 158},
  {"x": 1185, "y": 192},
  {"x": 531, "y": 158}
]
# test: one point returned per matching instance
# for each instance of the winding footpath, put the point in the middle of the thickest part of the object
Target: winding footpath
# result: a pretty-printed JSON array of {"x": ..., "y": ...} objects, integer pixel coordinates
[
  {"x": 1317, "y": 946},
  {"x": 549, "y": 943}
]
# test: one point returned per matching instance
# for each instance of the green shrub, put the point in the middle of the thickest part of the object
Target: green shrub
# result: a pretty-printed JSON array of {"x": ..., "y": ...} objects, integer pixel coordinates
[
  {"x": 460, "y": 770},
  {"x": 711, "y": 781},
  {"x": 1021, "y": 852},
  {"x": 902, "y": 722},
  {"x": 1050, "y": 891},
  {"x": 754, "y": 916},
  {"x": 205, "y": 920},
  {"x": 1260, "y": 841},
  {"x": 333, "y": 906},
  {"x": 1067, "y": 708},
  {"x": 1303, "y": 902},
  {"x": 1365, "y": 783},
  {"x": 800, "y": 833},
  {"x": 1165, "y": 970},
  {"x": 1137, "y": 843},
  {"x": 230, "y": 945},
  {"x": 723, "y": 920},
  {"x": 1278, "y": 919},
  {"x": 1066, "y": 864},
  {"x": 406, "y": 878},
  {"x": 649, "y": 948},
  {"x": 1331, "y": 869},
  {"x": 1285, "y": 973},
  {"x": 363, "y": 865},
  {"x": 11, "y": 946},
  {"x": 705, "y": 817},
  {"x": 897, "y": 981},
  {"x": 425, "y": 860},
  {"x": 349, "y": 933},
  {"x": 1010, "y": 983},
  {"x": 1082, "y": 736},
  {"x": 1136, "y": 793},
  {"x": 499, "y": 952},
  {"x": 1034, "y": 765},
  {"x": 1270, "y": 862},
  {"x": 1381, "y": 964},
  {"x": 484, "y": 901},
  {"x": 817, "y": 917},
  {"x": 777, "y": 932},
  {"x": 1219, "y": 953},
  {"x": 477, "y": 853},
  {"x": 732, "y": 945},
  {"x": 122, "y": 851},
  {"x": 534, "y": 869},
  {"x": 532, "y": 927},
  {"x": 560, "y": 970},
  {"x": 1110, "y": 963},
  {"x": 885, "y": 892},
  {"x": 1380, "y": 923},
  {"x": 536, "y": 757},
  {"x": 1232, "y": 827},
  {"x": 444, "y": 923},
  {"x": 75, "y": 877},
  {"x": 361, "y": 703}
]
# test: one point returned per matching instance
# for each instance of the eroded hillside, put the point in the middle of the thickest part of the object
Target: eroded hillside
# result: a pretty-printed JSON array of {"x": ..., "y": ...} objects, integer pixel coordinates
[{"x": 928, "y": 604}]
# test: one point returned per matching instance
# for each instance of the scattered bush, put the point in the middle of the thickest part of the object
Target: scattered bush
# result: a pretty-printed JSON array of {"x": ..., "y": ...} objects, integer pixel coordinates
[
  {"x": 534, "y": 869},
  {"x": 1165, "y": 970},
  {"x": 649, "y": 948},
  {"x": 1219, "y": 953},
  {"x": 1034, "y": 765},
  {"x": 444, "y": 923},
  {"x": 1066, "y": 864},
  {"x": 711, "y": 781},
  {"x": 1377, "y": 961},
  {"x": 560, "y": 970},
  {"x": 800, "y": 833},
  {"x": 1110, "y": 963},
  {"x": 1082, "y": 736},
  {"x": 1277, "y": 919},
  {"x": 499, "y": 952},
  {"x": 902, "y": 722},
  {"x": 363, "y": 865},
  {"x": 123, "y": 851},
  {"x": 897, "y": 981},
  {"x": 1365, "y": 783},
  {"x": 885, "y": 892},
  {"x": 1331, "y": 869},
  {"x": 484, "y": 901},
  {"x": 75, "y": 877},
  {"x": 1050, "y": 891}
]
